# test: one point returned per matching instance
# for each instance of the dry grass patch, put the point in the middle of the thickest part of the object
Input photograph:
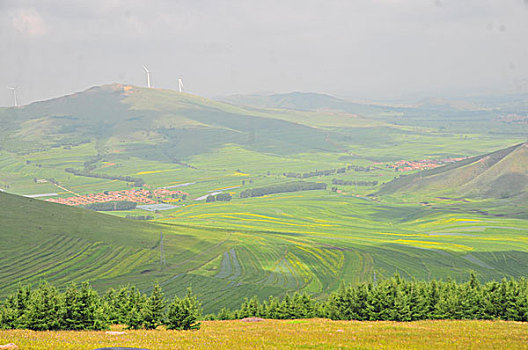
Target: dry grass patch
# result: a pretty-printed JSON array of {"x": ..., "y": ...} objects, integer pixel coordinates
[{"x": 308, "y": 334}]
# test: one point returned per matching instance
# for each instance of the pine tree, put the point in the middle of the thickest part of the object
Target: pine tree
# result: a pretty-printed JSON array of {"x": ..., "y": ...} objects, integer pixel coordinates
[
  {"x": 13, "y": 309},
  {"x": 134, "y": 320},
  {"x": 109, "y": 303},
  {"x": 122, "y": 304},
  {"x": 9, "y": 314},
  {"x": 154, "y": 309},
  {"x": 447, "y": 306},
  {"x": 417, "y": 300},
  {"x": 224, "y": 314},
  {"x": 250, "y": 308},
  {"x": 402, "y": 306},
  {"x": 184, "y": 312},
  {"x": 83, "y": 309},
  {"x": 271, "y": 308},
  {"x": 303, "y": 306},
  {"x": 134, "y": 305},
  {"x": 45, "y": 310}
]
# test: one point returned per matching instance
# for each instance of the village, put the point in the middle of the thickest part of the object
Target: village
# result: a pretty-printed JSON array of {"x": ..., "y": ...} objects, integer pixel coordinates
[
  {"x": 410, "y": 165},
  {"x": 138, "y": 196}
]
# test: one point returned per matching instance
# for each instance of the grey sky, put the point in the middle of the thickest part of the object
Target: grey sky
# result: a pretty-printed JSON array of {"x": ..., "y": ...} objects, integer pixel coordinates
[{"x": 359, "y": 48}]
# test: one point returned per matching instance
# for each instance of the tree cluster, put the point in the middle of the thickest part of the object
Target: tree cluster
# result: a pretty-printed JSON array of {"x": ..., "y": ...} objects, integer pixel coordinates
[
  {"x": 315, "y": 173},
  {"x": 358, "y": 168},
  {"x": 45, "y": 308},
  {"x": 111, "y": 205},
  {"x": 140, "y": 217},
  {"x": 400, "y": 300},
  {"x": 396, "y": 299},
  {"x": 352, "y": 183},
  {"x": 220, "y": 197},
  {"x": 289, "y": 307},
  {"x": 81, "y": 308},
  {"x": 282, "y": 188}
]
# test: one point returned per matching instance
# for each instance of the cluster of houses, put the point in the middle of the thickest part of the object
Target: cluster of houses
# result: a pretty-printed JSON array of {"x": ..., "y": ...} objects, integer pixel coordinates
[
  {"x": 139, "y": 196},
  {"x": 409, "y": 165}
]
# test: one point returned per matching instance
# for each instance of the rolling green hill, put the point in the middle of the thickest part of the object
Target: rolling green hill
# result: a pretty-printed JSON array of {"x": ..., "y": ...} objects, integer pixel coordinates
[{"x": 174, "y": 125}]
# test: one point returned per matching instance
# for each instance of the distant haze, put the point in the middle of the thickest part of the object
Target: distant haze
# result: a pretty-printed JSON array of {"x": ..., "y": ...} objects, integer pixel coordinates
[{"x": 375, "y": 49}]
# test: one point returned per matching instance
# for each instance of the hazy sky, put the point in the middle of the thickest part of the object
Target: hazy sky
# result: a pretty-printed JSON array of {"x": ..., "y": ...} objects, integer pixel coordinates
[{"x": 359, "y": 48}]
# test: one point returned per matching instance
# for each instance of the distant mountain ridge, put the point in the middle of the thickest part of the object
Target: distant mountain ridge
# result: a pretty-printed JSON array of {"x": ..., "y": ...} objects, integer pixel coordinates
[{"x": 304, "y": 101}]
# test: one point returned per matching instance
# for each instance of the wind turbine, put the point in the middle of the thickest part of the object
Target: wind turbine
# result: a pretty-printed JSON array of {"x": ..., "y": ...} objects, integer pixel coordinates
[
  {"x": 14, "y": 94},
  {"x": 180, "y": 85},
  {"x": 148, "y": 76}
]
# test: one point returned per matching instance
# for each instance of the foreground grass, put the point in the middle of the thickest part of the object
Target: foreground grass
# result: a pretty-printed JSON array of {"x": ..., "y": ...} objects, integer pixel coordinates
[{"x": 309, "y": 334}]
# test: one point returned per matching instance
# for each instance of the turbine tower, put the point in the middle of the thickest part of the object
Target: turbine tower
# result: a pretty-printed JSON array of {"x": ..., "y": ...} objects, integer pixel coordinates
[
  {"x": 180, "y": 85},
  {"x": 148, "y": 76},
  {"x": 14, "y": 95}
]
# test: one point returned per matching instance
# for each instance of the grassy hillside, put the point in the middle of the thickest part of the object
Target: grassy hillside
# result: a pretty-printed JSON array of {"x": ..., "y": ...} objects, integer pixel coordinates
[
  {"x": 59, "y": 243},
  {"x": 501, "y": 174}
]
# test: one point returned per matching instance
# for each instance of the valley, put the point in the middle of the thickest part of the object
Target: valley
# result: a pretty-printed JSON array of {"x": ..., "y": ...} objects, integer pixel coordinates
[{"x": 405, "y": 192}]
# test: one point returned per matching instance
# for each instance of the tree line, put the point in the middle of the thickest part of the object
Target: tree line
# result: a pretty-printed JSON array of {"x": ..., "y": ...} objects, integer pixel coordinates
[
  {"x": 352, "y": 183},
  {"x": 393, "y": 299},
  {"x": 315, "y": 173},
  {"x": 396, "y": 299},
  {"x": 293, "y": 186},
  {"x": 111, "y": 205},
  {"x": 140, "y": 217},
  {"x": 327, "y": 172},
  {"x": 359, "y": 168},
  {"x": 80, "y": 307}
]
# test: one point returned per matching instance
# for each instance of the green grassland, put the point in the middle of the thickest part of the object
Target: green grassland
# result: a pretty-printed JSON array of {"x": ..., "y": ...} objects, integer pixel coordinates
[{"x": 303, "y": 241}]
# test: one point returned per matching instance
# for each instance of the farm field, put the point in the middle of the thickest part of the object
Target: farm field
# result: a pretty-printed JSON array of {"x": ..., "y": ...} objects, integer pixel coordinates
[{"x": 293, "y": 334}]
